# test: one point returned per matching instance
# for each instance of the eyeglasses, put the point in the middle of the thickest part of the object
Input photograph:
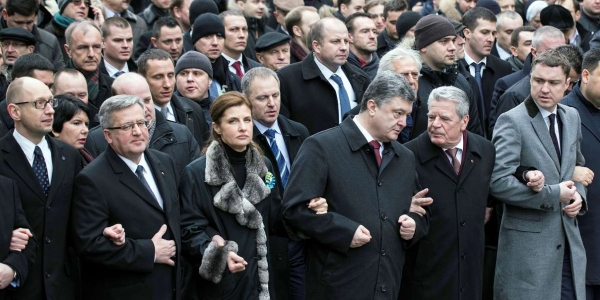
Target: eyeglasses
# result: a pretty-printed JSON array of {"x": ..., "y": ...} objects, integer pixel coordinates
[
  {"x": 129, "y": 126},
  {"x": 6, "y": 44},
  {"x": 413, "y": 75},
  {"x": 78, "y": 2},
  {"x": 41, "y": 104}
]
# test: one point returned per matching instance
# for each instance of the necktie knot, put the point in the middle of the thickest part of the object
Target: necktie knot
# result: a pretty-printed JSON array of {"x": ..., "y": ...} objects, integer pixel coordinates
[
  {"x": 342, "y": 94},
  {"x": 37, "y": 150},
  {"x": 270, "y": 133},
  {"x": 477, "y": 66},
  {"x": 552, "y": 118},
  {"x": 337, "y": 79},
  {"x": 376, "y": 146},
  {"x": 165, "y": 112},
  {"x": 119, "y": 73},
  {"x": 455, "y": 162},
  {"x": 452, "y": 152},
  {"x": 139, "y": 171},
  {"x": 238, "y": 69}
]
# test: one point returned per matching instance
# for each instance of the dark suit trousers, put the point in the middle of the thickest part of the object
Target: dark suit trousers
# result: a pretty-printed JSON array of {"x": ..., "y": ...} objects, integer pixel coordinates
[
  {"x": 297, "y": 270},
  {"x": 592, "y": 292},
  {"x": 568, "y": 288}
]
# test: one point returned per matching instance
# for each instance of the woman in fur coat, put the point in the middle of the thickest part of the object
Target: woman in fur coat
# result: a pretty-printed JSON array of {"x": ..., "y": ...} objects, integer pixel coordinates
[{"x": 229, "y": 206}]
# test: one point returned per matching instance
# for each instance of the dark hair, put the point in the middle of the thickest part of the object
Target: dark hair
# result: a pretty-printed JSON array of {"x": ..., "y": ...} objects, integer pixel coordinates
[
  {"x": 68, "y": 106},
  {"x": 346, "y": 2},
  {"x": 116, "y": 22},
  {"x": 167, "y": 21},
  {"x": 514, "y": 37},
  {"x": 552, "y": 58},
  {"x": 351, "y": 18},
  {"x": 471, "y": 18},
  {"x": 590, "y": 60},
  {"x": 374, "y": 3},
  {"x": 175, "y": 3},
  {"x": 26, "y": 64},
  {"x": 22, "y": 7},
  {"x": 574, "y": 56},
  {"x": 151, "y": 54},
  {"x": 394, "y": 5},
  {"x": 294, "y": 17}
]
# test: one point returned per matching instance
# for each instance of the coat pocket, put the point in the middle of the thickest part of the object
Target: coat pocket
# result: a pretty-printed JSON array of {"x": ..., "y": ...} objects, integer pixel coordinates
[{"x": 530, "y": 222}]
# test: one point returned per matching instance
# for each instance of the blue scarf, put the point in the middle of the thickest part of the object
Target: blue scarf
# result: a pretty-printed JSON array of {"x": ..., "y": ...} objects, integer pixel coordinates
[{"x": 62, "y": 21}]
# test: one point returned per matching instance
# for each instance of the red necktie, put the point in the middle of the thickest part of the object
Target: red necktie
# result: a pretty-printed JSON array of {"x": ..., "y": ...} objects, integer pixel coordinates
[
  {"x": 238, "y": 69},
  {"x": 376, "y": 147},
  {"x": 455, "y": 163}
]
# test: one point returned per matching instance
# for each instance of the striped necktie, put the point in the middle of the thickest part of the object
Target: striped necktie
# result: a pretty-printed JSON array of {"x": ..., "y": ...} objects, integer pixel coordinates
[{"x": 283, "y": 170}]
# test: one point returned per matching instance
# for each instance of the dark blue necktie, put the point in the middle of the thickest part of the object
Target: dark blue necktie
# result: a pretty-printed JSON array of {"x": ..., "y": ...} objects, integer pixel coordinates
[
  {"x": 478, "y": 67},
  {"x": 40, "y": 170},
  {"x": 283, "y": 170},
  {"x": 118, "y": 74},
  {"x": 344, "y": 99},
  {"x": 552, "y": 118},
  {"x": 140, "y": 174}
]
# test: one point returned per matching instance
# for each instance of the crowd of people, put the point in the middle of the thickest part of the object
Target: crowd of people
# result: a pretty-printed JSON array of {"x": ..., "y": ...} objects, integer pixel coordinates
[{"x": 299, "y": 149}]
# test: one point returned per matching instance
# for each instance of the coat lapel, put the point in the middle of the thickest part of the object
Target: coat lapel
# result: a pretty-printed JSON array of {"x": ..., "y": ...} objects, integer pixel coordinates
[
  {"x": 357, "y": 142},
  {"x": 158, "y": 171},
  {"x": 541, "y": 130},
  {"x": 429, "y": 151},
  {"x": 18, "y": 162},
  {"x": 58, "y": 164},
  {"x": 288, "y": 133},
  {"x": 568, "y": 136},
  {"x": 471, "y": 157}
]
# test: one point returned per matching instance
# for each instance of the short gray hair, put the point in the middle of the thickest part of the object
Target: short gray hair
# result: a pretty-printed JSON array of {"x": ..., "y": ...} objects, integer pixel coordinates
[
  {"x": 114, "y": 104},
  {"x": 545, "y": 32},
  {"x": 80, "y": 25},
  {"x": 385, "y": 87},
  {"x": 450, "y": 93},
  {"x": 506, "y": 15},
  {"x": 253, "y": 74},
  {"x": 400, "y": 52}
]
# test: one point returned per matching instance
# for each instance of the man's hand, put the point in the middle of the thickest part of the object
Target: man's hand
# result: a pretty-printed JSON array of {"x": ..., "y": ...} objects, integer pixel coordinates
[
  {"x": 418, "y": 201},
  {"x": 235, "y": 263},
  {"x": 407, "y": 227},
  {"x": 20, "y": 238},
  {"x": 361, "y": 237},
  {"x": 318, "y": 205},
  {"x": 219, "y": 240},
  {"x": 573, "y": 209},
  {"x": 163, "y": 249},
  {"x": 98, "y": 16},
  {"x": 583, "y": 175},
  {"x": 6, "y": 275},
  {"x": 115, "y": 233},
  {"x": 488, "y": 215},
  {"x": 535, "y": 180},
  {"x": 567, "y": 191}
]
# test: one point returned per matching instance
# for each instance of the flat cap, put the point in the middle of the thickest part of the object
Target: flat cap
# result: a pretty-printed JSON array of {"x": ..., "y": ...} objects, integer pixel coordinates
[
  {"x": 287, "y": 5},
  {"x": 557, "y": 16},
  {"x": 17, "y": 34},
  {"x": 270, "y": 40}
]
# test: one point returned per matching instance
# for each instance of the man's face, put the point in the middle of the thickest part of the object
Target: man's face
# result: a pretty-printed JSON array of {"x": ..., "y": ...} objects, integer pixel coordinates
[
  {"x": 264, "y": 95},
  {"x": 590, "y": 86},
  {"x": 352, "y": 7},
  {"x": 139, "y": 87},
  {"x": 333, "y": 52},
  {"x": 119, "y": 44},
  {"x": 85, "y": 49},
  {"x": 309, "y": 18},
  {"x": 390, "y": 23},
  {"x": 465, "y": 5},
  {"x": 407, "y": 68},
  {"x": 591, "y": 7},
  {"x": 506, "y": 5},
  {"x": 236, "y": 34},
  {"x": 182, "y": 13},
  {"x": 193, "y": 84},
  {"x": 376, "y": 13},
  {"x": 481, "y": 39},
  {"x": 129, "y": 144},
  {"x": 161, "y": 79},
  {"x": 11, "y": 50},
  {"x": 388, "y": 119},
  {"x": 276, "y": 57},
  {"x": 459, "y": 43},
  {"x": 162, "y": 4},
  {"x": 505, "y": 31},
  {"x": 118, "y": 6},
  {"x": 536, "y": 22},
  {"x": 444, "y": 127},
  {"x": 76, "y": 10},
  {"x": 170, "y": 40},
  {"x": 548, "y": 86},
  {"x": 210, "y": 45},
  {"x": 440, "y": 54},
  {"x": 524, "y": 47},
  {"x": 548, "y": 43},
  {"x": 252, "y": 8},
  {"x": 31, "y": 122},
  {"x": 568, "y": 4},
  {"x": 573, "y": 79},
  {"x": 17, "y": 20},
  {"x": 364, "y": 37},
  {"x": 45, "y": 76},
  {"x": 75, "y": 86}
]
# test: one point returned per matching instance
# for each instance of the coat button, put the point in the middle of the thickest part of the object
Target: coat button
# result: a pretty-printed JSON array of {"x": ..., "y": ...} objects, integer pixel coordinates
[
  {"x": 558, "y": 247},
  {"x": 384, "y": 216},
  {"x": 48, "y": 240},
  {"x": 48, "y": 208},
  {"x": 383, "y": 288},
  {"x": 279, "y": 256},
  {"x": 464, "y": 255},
  {"x": 463, "y": 223},
  {"x": 47, "y": 275},
  {"x": 383, "y": 253},
  {"x": 462, "y": 288},
  {"x": 380, "y": 183}
]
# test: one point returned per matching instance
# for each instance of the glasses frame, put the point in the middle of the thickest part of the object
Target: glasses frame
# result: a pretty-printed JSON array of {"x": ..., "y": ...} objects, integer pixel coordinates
[
  {"x": 53, "y": 103},
  {"x": 128, "y": 127}
]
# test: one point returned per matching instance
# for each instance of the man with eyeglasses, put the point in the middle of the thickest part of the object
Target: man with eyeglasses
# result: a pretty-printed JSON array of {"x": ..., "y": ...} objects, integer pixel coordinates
[
  {"x": 44, "y": 170},
  {"x": 15, "y": 42},
  {"x": 84, "y": 47},
  {"x": 142, "y": 197}
]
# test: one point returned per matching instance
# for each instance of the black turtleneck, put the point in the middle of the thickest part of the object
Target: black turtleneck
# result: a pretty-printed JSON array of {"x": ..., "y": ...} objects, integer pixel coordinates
[{"x": 237, "y": 160}]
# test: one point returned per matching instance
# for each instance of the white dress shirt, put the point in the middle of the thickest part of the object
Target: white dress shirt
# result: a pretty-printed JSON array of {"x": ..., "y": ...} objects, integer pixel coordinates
[
  {"x": 469, "y": 61},
  {"x": 170, "y": 111},
  {"x": 503, "y": 54},
  {"x": 231, "y": 61},
  {"x": 347, "y": 86},
  {"x": 459, "y": 151},
  {"x": 545, "y": 115},
  {"x": 147, "y": 175},
  {"x": 368, "y": 136},
  {"x": 28, "y": 147},
  {"x": 278, "y": 140},
  {"x": 112, "y": 70}
]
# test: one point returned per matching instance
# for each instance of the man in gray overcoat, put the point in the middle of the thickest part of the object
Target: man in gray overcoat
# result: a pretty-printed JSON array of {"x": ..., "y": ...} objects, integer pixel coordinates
[{"x": 540, "y": 253}]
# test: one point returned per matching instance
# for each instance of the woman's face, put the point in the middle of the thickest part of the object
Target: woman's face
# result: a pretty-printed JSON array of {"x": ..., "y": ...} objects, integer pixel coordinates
[
  {"x": 75, "y": 131},
  {"x": 235, "y": 127}
]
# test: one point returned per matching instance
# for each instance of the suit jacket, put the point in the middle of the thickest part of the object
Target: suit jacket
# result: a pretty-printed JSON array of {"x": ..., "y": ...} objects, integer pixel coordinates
[
  {"x": 6, "y": 122},
  {"x": 190, "y": 114},
  {"x": 448, "y": 262},
  {"x": 495, "y": 68},
  {"x": 534, "y": 231},
  {"x": 51, "y": 273},
  {"x": 12, "y": 217},
  {"x": 105, "y": 92},
  {"x": 590, "y": 143},
  {"x": 507, "y": 81},
  {"x": 339, "y": 165},
  {"x": 130, "y": 64},
  {"x": 128, "y": 271},
  {"x": 307, "y": 96},
  {"x": 513, "y": 96}
]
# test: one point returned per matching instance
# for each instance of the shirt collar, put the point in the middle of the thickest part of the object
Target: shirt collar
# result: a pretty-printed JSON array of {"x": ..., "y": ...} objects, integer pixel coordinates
[
  {"x": 544, "y": 112},
  {"x": 458, "y": 146},
  {"x": 232, "y": 60},
  {"x": 325, "y": 71},
  {"x": 133, "y": 166},
  {"x": 109, "y": 13},
  {"x": 574, "y": 39},
  {"x": 469, "y": 60},
  {"x": 262, "y": 128},
  {"x": 503, "y": 54},
  {"x": 364, "y": 132},
  {"x": 112, "y": 70},
  {"x": 28, "y": 146}
]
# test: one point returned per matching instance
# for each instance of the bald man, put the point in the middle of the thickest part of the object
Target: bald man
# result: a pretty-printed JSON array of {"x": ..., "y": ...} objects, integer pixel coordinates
[
  {"x": 71, "y": 82},
  {"x": 171, "y": 138}
]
